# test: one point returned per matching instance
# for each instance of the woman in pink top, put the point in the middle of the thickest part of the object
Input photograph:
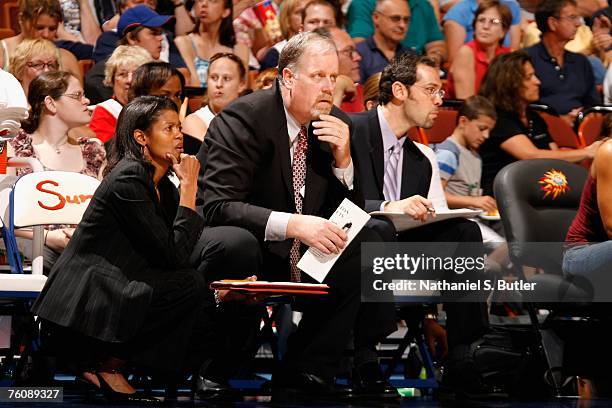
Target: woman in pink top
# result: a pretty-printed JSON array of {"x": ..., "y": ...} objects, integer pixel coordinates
[{"x": 491, "y": 23}]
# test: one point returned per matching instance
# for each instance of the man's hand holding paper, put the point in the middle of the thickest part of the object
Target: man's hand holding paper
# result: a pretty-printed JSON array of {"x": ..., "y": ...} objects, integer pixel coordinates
[{"x": 317, "y": 232}]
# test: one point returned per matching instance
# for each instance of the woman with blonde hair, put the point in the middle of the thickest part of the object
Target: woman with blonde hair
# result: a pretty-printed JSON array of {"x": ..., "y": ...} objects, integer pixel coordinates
[
  {"x": 39, "y": 19},
  {"x": 370, "y": 91},
  {"x": 117, "y": 74},
  {"x": 31, "y": 58},
  {"x": 290, "y": 20}
]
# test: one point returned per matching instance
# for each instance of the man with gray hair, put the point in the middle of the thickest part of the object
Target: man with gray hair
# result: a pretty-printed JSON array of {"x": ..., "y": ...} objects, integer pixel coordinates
[{"x": 278, "y": 163}]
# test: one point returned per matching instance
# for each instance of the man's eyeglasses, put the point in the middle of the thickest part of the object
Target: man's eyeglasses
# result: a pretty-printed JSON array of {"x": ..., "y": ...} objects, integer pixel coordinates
[
  {"x": 490, "y": 20},
  {"x": 349, "y": 52},
  {"x": 432, "y": 92},
  {"x": 40, "y": 66},
  {"x": 77, "y": 96},
  {"x": 573, "y": 18},
  {"x": 395, "y": 18}
]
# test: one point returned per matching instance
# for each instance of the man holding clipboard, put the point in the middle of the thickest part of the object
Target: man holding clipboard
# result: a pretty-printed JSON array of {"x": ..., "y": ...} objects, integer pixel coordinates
[
  {"x": 402, "y": 176},
  {"x": 278, "y": 163}
]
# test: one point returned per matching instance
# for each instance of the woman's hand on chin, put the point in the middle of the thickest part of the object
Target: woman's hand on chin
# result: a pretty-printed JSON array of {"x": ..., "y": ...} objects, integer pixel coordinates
[{"x": 187, "y": 169}]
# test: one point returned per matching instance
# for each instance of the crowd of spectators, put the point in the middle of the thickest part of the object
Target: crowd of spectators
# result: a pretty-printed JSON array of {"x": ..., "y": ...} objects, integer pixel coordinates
[{"x": 82, "y": 66}]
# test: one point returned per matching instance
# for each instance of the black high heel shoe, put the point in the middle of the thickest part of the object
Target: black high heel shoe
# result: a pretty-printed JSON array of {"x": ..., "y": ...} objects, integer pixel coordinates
[
  {"x": 121, "y": 398},
  {"x": 86, "y": 388}
]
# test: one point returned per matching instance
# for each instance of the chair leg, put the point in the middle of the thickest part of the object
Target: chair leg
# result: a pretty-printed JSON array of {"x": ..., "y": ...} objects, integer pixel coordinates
[{"x": 551, "y": 348}]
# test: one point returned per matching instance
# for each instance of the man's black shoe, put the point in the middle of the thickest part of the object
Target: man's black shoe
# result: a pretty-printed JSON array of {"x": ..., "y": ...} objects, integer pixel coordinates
[
  {"x": 369, "y": 383},
  {"x": 294, "y": 388},
  {"x": 210, "y": 390}
]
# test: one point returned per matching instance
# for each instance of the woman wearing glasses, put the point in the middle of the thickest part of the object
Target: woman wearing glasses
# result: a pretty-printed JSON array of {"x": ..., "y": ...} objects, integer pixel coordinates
[
  {"x": 31, "y": 58},
  {"x": 57, "y": 104},
  {"x": 118, "y": 73},
  {"x": 39, "y": 19},
  {"x": 491, "y": 23}
]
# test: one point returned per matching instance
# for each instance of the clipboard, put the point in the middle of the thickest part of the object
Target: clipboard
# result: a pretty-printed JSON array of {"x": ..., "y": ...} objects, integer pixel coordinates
[
  {"x": 403, "y": 222},
  {"x": 276, "y": 288}
]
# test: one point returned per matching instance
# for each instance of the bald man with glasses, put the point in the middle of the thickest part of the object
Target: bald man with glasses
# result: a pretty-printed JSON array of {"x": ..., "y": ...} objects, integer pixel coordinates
[{"x": 391, "y": 19}]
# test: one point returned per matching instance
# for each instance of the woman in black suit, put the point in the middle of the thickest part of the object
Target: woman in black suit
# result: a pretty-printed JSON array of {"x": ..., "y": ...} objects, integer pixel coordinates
[{"x": 124, "y": 290}]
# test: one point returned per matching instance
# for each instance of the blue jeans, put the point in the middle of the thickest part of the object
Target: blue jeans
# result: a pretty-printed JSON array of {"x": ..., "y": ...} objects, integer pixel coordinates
[{"x": 592, "y": 261}]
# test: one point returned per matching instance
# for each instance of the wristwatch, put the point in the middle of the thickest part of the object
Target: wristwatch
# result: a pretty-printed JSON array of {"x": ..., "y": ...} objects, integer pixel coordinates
[{"x": 178, "y": 4}]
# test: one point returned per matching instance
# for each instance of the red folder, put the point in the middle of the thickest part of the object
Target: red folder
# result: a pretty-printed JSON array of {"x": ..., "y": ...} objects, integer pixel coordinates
[{"x": 289, "y": 288}]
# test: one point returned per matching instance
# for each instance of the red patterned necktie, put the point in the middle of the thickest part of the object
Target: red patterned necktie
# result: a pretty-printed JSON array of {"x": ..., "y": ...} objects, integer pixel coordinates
[{"x": 299, "y": 177}]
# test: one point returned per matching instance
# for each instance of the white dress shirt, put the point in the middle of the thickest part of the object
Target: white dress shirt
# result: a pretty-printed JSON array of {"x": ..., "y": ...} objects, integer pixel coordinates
[
  {"x": 436, "y": 192},
  {"x": 276, "y": 227}
]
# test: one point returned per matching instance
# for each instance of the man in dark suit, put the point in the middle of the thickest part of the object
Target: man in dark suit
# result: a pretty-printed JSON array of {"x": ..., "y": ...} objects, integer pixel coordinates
[
  {"x": 278, "y": 163},
  {"x": 402, "y": 176}
]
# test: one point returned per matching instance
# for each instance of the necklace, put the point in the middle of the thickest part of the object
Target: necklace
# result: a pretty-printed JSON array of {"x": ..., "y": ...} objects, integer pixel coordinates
[{"x": 58, "y": 148}]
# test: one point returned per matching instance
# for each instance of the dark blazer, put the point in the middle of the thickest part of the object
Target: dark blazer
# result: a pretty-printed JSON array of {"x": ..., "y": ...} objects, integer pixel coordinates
[
  {"x": 246, "y": 172},
  {"x": 369, "y": 158},
  {"x": 102, "y": 283}
]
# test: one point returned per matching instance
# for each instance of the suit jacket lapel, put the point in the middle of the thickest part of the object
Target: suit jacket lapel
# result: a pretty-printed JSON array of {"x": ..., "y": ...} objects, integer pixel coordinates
[
  {"x": 283, "y": 145},
  {"x": 416, "y": 171},
  {"x": 377, "y": 157}
]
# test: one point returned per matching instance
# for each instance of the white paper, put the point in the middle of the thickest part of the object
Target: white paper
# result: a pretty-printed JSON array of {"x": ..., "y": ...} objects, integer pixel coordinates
[
  {"x": 404, "y": 222},
  {"x": 347, "y": 216}
]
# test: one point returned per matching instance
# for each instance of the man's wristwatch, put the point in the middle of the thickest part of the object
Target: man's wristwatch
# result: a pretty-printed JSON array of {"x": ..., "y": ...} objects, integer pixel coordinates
[{"x": 178, "y": 4}]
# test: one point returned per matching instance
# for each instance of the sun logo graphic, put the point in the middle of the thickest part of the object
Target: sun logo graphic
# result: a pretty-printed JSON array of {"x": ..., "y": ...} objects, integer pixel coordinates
[{"x": 554, "y": 183}]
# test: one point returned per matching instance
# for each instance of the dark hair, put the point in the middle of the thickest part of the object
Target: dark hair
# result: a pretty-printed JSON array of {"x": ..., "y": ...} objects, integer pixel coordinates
[
  {"x": 503, "y": 80},
  {"x": 52, "y": 84},
  {"x": 606, "y": 126},
  {"x": 227, "y": 36},
  {"x": 139, "y": 114},
  {"x": 232, "y": 57},
  {"x": 132, "y": 34},
  {"x": 502, "y": 9},
  {"x": 476, "y": 106},
  {"x": 401, "y": 69},
  {"x": 549, "y": 8},
  {"x": 153, "y": 75}
]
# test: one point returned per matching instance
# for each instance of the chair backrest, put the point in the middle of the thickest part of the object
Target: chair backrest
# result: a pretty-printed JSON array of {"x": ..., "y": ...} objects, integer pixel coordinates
[
  {"x": 6, "y": 33},
  {"x": 590, "y": 128},
  {"x": 86, "y": 65},
  {"x": 10, "y": 11},
  {"x": 51, "y": 197},
  {"x": 416, "y": 134},
  {"x": 537, "y": 201},
  {"x": 562, "y": 133},
  {"x": 6, "y": 184},
  {"x": 443, "y": 127}
]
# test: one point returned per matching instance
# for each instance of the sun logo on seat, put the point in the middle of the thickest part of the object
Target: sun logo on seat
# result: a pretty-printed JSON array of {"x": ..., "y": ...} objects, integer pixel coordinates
[{"x": 554, "y": 183}]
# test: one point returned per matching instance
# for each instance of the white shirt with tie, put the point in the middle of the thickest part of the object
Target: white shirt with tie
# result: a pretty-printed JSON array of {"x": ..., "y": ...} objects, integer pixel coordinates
[
  {"x": 436, "y": 192},
  {"x": 276, "y": 227}
]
